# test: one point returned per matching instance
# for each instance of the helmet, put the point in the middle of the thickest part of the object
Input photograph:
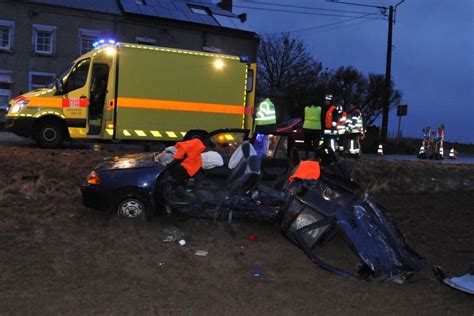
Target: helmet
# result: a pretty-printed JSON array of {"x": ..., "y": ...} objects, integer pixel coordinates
[{"x": 328, "y": 97}]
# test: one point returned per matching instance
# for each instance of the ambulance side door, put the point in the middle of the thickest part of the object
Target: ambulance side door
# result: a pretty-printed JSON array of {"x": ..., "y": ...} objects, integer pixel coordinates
[{"x": 76, "y": 95}]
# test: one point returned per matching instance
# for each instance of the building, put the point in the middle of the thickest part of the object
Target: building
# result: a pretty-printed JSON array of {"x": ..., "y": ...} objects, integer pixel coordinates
[{"x": 40, "y": 38}]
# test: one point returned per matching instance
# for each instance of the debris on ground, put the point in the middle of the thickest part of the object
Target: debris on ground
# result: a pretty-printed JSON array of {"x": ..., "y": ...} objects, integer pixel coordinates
[
  {"x": 463, "y": 283},
  {"x": 252, "y": 237},
  {"x": 256, "y": 272},
  {"x": 174, "y": 234},
  {"x": 201, "y": 253}
]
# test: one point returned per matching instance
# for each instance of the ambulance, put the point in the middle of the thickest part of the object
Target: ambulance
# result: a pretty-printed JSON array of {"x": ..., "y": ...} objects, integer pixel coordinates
[{"x": 135, "y": 92}]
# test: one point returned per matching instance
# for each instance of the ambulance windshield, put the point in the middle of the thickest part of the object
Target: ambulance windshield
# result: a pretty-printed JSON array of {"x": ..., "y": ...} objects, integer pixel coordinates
[{"x": 65, "y": 73}]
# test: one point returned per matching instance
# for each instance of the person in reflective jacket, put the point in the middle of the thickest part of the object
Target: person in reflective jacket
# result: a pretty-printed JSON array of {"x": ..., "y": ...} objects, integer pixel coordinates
[
  {"x": 330, "y": 123},
  {"x": 341, "y": 128},
  {"x": 312, "y": 128},
  {"x": 355, "y": 130},
  {"x": 265, "y": 116}
]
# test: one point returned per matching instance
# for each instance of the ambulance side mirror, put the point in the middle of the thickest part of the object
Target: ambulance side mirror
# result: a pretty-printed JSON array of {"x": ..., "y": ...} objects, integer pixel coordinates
[{"x": 59, "y": 86}]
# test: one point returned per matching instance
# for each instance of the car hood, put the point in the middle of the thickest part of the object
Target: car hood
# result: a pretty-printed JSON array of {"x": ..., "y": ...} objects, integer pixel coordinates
[{"x": 144, "y": 160}]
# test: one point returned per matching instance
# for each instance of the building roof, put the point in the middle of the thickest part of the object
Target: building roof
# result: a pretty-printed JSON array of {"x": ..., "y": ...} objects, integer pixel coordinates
[
  {"x": 103, "y": 6},
  {"x": 193, "y": 11}
]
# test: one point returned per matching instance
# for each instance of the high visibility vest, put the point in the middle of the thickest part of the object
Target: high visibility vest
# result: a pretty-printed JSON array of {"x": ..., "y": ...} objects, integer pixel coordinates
[
  {"x": 265, "y": 114},
  {"x": 312, "y": 117},
  {"x": 354, "y": 122},
  {"x": 329, "y": 117}
]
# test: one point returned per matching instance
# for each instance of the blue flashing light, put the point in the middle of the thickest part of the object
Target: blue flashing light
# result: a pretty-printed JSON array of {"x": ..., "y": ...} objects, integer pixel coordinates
[
  {"x": 102, "y": 42},
  {"x": 244, "y": 59}
]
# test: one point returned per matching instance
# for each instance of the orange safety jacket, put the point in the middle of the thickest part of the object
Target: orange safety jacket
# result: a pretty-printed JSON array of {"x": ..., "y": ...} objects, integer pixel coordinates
[
  {"x": 192, "y": 149},
  {"x": 329, "y": 116},
  {"x": 307, "y": 170}
]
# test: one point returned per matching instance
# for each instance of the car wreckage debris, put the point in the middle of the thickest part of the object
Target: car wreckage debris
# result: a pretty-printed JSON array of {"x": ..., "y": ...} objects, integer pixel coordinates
[
  {"x": 256, "y": 272},
  {"x": 312, "y": 201},
  {"x": 318, "y": 209},
  {"x": 252, "y": 237},
  {"x": 463, "y": 283},
  {"x": 201, "y": 253}
]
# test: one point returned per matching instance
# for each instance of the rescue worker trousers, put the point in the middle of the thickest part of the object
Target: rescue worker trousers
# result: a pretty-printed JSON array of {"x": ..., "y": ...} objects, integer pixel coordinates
[
  {"x": 311, "y": 140},
  {"x": 352, "y": 145}
]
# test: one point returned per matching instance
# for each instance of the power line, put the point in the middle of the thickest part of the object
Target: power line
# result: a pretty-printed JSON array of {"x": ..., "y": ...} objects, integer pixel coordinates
[
  {"x": 388, "y": 69},
  {"x": 319, "y": 26},
  {"x": 310, "y": 13},
  {"x": 301, "y": 7},
  {"x": 359, "y": 4}
]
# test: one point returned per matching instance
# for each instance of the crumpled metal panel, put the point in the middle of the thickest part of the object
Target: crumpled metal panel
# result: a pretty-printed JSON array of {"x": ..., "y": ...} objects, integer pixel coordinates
[
  {"x": 319, "y": 209},
  {"x": 379, "y": 244}
]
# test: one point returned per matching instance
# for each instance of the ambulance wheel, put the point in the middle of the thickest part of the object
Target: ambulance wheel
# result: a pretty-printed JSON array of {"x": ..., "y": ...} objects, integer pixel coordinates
[
  {"x": 49, "y": 133},
  {"x": 133, "y": 205},
  {"x": 195, "y": 134}
]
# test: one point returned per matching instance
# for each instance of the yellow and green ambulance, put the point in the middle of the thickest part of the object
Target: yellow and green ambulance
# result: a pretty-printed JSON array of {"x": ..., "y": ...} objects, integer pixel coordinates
[{"x": 138, "y": 92}]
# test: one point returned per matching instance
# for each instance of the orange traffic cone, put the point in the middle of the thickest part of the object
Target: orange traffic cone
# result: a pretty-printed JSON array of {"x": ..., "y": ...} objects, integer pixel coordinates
[{"x": 380, "y": 150}]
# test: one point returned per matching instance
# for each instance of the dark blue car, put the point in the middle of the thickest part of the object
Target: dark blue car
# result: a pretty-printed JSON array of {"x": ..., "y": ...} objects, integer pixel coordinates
[
  {"x": 242, "y": 178},
  {"x": 141, "y": 185}
]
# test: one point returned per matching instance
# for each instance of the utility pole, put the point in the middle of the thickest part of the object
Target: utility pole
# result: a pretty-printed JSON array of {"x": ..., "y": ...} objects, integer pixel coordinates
[
  {"x": 388, "y": 67},
  {"x": 388, "y": 78}
]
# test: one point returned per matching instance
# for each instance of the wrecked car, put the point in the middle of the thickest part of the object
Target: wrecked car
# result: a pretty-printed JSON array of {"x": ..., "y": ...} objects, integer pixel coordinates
[{"x": 226, "y": 176}]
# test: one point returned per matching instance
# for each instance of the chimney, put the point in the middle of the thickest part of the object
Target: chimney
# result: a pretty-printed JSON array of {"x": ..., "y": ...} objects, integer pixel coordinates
[{"x": 225, "y": 5}]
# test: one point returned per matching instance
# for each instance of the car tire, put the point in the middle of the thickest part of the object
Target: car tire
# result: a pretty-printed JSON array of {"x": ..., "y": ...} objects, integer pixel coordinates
[
  {"x": 49, "y": 134},
  {"x": 133, "y": 205}
]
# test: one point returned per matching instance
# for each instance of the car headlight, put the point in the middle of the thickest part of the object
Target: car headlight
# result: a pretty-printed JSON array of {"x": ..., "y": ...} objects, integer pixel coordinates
[{"x": 18, "y": 106}]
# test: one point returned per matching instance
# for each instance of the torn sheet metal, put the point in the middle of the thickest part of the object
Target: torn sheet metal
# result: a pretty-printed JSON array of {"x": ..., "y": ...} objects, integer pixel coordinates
[
  {"x": 463, "y": 283},
  {"x": 333, "y": 204}
]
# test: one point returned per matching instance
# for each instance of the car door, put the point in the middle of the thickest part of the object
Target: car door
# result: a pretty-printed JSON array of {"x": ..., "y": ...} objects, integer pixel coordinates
[
  {"x": 274, "y": 150},
  {"x": 76, "y": 96}
]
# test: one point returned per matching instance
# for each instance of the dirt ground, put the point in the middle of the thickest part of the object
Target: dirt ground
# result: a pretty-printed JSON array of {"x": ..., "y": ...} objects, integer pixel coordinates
[{"x": 58, "y": 257}]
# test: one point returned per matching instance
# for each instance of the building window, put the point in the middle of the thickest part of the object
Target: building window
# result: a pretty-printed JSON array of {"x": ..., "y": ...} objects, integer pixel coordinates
[
  {"x": 44, "y": 37},
  {"x": 199, "y": 10},
  {"x": 5, "y": 89},
  {"x": 87, "y": 39},
  {"x": 146, "y": 41},
  {"x": 40, "y": 79},
  {"x": 6, "y": 34}
]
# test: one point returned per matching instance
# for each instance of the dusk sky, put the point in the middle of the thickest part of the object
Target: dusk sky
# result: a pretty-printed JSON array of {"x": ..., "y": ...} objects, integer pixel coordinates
[{"x": 432, "y": 61}]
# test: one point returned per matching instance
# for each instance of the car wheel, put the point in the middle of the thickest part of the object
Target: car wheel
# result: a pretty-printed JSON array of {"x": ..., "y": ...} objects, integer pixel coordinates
[
  {"x": 49, "y": 134},
  {"x": 134, "y": 206}
]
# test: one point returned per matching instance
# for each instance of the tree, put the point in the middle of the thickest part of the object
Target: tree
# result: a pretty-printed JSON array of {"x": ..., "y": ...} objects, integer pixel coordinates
[
  {"x": 372, "y": 105},
  {"x": 348, "y": 85},
  {"x": 292, "y": 78},
  {"x": 289, "y": 75}
]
